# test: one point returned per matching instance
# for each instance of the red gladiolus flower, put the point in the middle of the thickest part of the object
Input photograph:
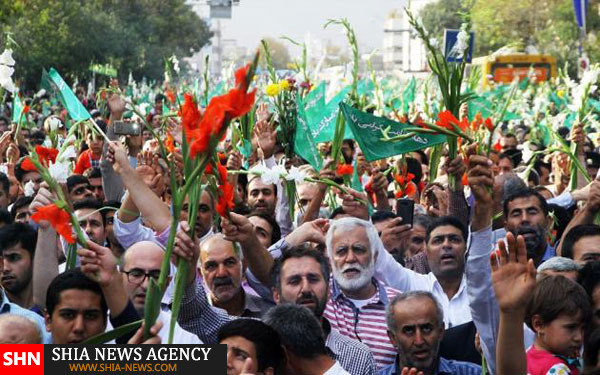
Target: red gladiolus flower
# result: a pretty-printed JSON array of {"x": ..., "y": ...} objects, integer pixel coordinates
[
  {"x": 46, "y": 155},
  {"x": 447, "y": 120},
  {"x": 407, "y": 190},
  {"x": 58, "y": 218},
  {"x": 489, "y": 124},
  {"x": 221, "y": 170},
  {"x": 465, "y": 180},
  {"x": 404, "y": 179},
  {"x": 497, "y": 146},
  {"x": 240, "y": 77},
  {"x": 240, "y": 102},
  {"x": 190, "y": 116},
  {"x": 171, "y": 96},
  {"x": 225, "y": 202},
  {"x": 344, "y": 170},
  {"x": 26, "y": 109},
  {"x": 170, "y": 143},
  {"x": 28, "y": 166}
]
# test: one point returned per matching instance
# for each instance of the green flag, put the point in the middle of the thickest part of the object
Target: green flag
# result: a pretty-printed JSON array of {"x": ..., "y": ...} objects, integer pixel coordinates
[
  {"x": 17, "y": 110},
  {"x": 315, "y": 99},
  {"x": 368, "y": 131},
  {"x": 408, "y": 96},
  {"x": 322, "y": 124},
  {"x": 304, "y": 144},
  {"x": 53, "y": 82}
]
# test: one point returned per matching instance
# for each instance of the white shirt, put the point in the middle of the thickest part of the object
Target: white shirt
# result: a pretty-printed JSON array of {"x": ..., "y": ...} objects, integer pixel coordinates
[
  {"x": 336, "y": 369},
  {"x": 456, "y": 310}
]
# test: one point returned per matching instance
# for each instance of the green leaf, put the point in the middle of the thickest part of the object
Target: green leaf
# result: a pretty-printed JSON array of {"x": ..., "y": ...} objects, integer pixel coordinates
[{"x": 114, "y": 334}]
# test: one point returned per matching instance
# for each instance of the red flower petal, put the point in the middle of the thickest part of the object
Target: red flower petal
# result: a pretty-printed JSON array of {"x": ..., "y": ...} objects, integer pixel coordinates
[
  {"x": 225, "y": 202},
  {"x": 58, "y": 218},
  {"x": 240, "y": 76},
  {"x": 344, "y": 170},
  {"x": 27, "y": 165}
]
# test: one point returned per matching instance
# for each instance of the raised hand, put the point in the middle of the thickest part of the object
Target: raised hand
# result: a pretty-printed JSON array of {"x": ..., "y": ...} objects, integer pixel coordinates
[
  {"x": 42, "y": 198},
  {"x": 117, "y": 156},
  {"x": 456, "y": 168},
  {"x": 312, "y": 231},
  {"x": 266, "y": 136},
  {"x": 411, "y": 371},
  {"x": 99, "y": 264},
  {"x": 353, "y": 207},
  {"x": 513, "y": 276},
  {"x": 237, "y": 228},
  {"x": 116, "y": 105},
  {"x": 187, "y": 249},
  {"x": 154, "y": 338},
  {"x": 150, "y": 172}
]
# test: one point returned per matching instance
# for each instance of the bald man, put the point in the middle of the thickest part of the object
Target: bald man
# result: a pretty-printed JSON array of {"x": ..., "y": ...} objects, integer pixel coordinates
[
  {"x": 141, "y": 262},
  {"x": 222, "y": 270},
  {"x": 15, "y": 329}
]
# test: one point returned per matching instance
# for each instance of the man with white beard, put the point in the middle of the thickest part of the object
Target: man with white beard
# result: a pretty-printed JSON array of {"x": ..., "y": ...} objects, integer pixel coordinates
[{"x": 358, "y": 301}]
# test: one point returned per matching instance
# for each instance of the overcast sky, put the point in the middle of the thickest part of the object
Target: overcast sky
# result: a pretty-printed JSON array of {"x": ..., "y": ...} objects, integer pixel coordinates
[{"x": 255, "y": 19}]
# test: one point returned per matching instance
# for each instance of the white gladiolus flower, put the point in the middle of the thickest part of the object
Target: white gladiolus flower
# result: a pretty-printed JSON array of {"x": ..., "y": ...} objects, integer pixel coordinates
[
  {"x": 6, "y": 58},
  {"x": 296, "y": 174},
  {"x": 273, "y": 175},
  {"x": 29, "y": 189},
  {"x": 175, "y": 63},
  {"x": 59, "y": 172},
  {"x": 47, "y": 143},
  {"x": 68, "y": 153},
  {"x": 462, "y": 43},
  {"x": 4, "y": 169}
]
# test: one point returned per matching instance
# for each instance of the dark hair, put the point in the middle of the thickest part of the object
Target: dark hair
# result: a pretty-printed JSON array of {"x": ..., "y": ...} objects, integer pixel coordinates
[
  {"x": 275, "y": 229},
  {"x": 298, "y": 328},
  {"x": 515, "y": 156},
  {"x": 505, "y": 156},
  {"x": 18, "y": 233},
  {"x": 91, "y": 204},
  {"x": 557, "y": 295},
  {"x": 591, "y": 347},
  {"x": 37, "y": 137},
  {"x": 265, "y": 339},
  {"x": 413, "y": 166},
  {"x": 20, "y": 203},
  {"x": 299, "y": 252},
  {"x": 538, "y": 165},
  {"x": 4, "y": 183},
  {"x": 382, "y": 215},
  {"x": 20, "y": 172},
  {"x": 524, "y": 193},
  {"x": 443, "y": 221},
  {"x": 76, "y": 179},
  {"x": 72, "y": 279},
  {"x": 159, "y": 97},
  {"x": 258, "y": 177},
  {"x": 93, "y": 172},
  {"x": 5, "y": 217},
  {"x": 575, "y": 234},
  {"x": 589, "y": 277},
  {"x": 112, "y": 203},
  {"x": 337, "y": 211}
]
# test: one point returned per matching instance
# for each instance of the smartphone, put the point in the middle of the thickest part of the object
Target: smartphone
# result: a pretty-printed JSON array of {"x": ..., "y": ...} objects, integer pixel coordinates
[
  {"x": 405, "y": 208},
  {"x": 127, "y": 128}
]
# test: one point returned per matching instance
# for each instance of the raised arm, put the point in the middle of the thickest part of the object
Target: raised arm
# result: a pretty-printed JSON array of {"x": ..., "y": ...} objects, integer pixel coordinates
[
  {"x": 154, "y": 210},
  {"x": 513, "y": 277}
]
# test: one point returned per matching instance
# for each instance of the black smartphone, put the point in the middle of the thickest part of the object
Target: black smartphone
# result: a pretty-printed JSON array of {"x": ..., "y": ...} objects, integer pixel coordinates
[
  {"x": 127, "y": 128},
  {"x": 405, "y": 208}
]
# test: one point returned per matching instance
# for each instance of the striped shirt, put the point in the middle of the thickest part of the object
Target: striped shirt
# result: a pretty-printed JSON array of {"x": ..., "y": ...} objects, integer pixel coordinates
[
  {"x": 366, "y": 324},
  {"x": 445, "y": 367}
]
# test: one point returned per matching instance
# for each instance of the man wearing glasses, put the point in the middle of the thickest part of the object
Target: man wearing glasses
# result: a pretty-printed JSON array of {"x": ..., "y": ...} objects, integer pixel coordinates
[{"x": 140, "y": 263}]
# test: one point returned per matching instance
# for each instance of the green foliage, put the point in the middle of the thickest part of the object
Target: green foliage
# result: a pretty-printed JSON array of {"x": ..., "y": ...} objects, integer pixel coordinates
[
  {"x": 548, "y": 25},
  {"x": 131, "y": 35}
]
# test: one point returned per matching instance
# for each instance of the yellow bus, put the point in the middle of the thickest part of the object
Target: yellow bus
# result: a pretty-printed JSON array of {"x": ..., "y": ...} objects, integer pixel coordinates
[{"x": 503, "y": 69}]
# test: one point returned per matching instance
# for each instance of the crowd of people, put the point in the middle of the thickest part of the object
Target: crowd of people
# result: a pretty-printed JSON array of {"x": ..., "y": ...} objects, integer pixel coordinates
[{"x": 498, "y": 275}]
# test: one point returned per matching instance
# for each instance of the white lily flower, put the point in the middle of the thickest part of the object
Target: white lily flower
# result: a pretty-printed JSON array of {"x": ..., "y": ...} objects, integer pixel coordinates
[
  {"x": 5, "y": 78},
  {"x": 47, "y": 143},
  {"x": 29, "y": 189},
  {"x": 4, "y": 169},
  {"x": 6, "y": 58},
  {"x": 296, "y": 174},
  {"x": 59, "y": 171},
  {"x": 258, "y": 169},
  {"x": 175, "y": 63},
  {"x": 462, "y": 43},
  {"x": 273, "y": 175}
]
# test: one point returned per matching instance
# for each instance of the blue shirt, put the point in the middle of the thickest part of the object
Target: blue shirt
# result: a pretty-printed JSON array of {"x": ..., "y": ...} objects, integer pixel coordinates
[
  {"x": 445, "y": 367},
  {"x": 7, "y": 307}
]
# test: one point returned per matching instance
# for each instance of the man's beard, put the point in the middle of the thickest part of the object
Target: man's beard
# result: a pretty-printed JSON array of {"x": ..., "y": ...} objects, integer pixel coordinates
[
  {"x": 356, "y": 283},
  {"x": 534, "y": 243},
  {"x": 319, "y": 306}
]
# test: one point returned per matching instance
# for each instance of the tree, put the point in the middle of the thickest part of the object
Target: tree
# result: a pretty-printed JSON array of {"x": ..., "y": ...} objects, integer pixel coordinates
[
  {"x": 440, "y": 15},
  {"x": 131, "y": 35},
  {"x": 279, "y": 53}
]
